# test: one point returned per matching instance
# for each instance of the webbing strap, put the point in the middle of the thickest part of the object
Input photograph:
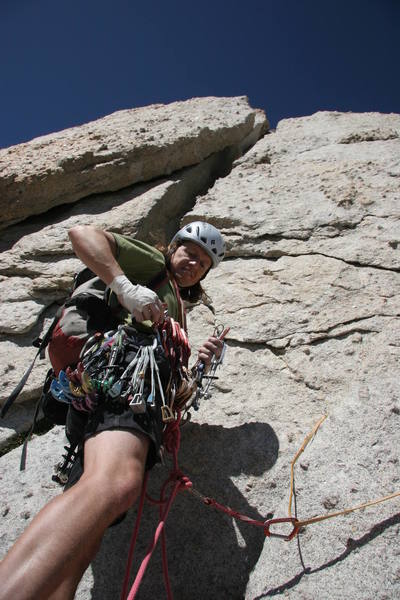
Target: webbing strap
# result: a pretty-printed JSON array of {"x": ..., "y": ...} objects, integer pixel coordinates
[
  {"x": 41, "y": 345},
  {"x": 28, "y": 436},
  {"x": 233, "y": 513},
  {"x": 17, "y": 390},
  {"x": 182, "y": 316}
]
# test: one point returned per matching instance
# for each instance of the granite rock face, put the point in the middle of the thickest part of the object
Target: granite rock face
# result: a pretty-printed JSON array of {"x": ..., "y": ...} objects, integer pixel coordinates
[
  {"x": 117, "y": 151},
  {"x": 310, "y": 288}
]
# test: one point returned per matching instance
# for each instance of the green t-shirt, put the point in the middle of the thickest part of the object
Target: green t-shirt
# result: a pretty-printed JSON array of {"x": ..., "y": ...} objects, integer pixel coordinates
[{"x": 141, "y": 263}]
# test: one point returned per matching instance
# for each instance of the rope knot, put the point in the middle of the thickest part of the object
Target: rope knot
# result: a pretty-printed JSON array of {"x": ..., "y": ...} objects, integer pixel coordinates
[{"x": 185, "y": 482}]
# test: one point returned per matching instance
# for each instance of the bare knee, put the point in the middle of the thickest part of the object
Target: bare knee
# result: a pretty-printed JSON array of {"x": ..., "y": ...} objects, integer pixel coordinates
[
  {"x": 125, "y": 490},
  {"x": 114, "y": 466},
  {"x": 118, "y": 490}
]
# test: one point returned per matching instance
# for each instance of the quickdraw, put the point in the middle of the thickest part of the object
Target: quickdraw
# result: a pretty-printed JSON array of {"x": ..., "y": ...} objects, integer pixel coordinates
[
  {"x": 114, "y": 367},
  {"x": 203, "y": 391}
]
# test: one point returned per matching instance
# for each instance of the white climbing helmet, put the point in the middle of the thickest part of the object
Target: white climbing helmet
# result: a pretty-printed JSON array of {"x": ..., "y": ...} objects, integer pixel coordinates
[{"x": 205, "y": 235}]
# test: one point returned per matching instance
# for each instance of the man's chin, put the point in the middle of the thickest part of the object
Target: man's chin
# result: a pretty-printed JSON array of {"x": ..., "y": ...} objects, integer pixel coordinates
[
  {"x": 183, "y": 280},
  {"x": 184, "y": 283}
]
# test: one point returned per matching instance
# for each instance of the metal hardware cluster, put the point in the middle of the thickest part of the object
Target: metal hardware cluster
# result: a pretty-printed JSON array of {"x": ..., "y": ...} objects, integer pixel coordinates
[
  {"x": 204, "y": 389},
  {"x": 117, "y": 366}
]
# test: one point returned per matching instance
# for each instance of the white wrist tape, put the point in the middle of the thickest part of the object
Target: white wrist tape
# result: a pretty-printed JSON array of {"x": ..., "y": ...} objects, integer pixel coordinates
[{"x": 133, "y": 297}]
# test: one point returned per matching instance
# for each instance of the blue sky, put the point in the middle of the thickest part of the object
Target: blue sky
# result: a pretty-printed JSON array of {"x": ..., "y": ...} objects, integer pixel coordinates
[{"x": 66, "y": 62}]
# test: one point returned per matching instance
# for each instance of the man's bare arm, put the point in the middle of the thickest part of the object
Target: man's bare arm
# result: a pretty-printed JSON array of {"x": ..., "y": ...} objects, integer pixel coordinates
[{"x": 96, "y": 249}]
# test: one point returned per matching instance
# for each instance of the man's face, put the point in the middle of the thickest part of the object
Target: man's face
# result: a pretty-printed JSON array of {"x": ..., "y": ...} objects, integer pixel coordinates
[{"x": 189, "y": 263}]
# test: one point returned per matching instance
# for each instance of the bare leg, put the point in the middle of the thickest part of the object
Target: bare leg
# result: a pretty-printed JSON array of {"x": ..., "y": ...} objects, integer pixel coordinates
[
  {"x": 66, "y": 590},
  {"x": 57, "y": 547}
]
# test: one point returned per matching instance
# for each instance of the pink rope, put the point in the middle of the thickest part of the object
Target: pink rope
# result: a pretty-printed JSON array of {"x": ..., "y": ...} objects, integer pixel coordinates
[
  {"x": 172, "y": 443},
  {"x": 232, "y": 513},
  {"x": 152, "y": 545},
  {"x": 134, "y": 538}
]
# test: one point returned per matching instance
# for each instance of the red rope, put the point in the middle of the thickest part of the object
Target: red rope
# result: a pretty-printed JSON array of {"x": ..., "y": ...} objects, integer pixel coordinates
[
  {"x": 232, "y": 513},
  {"x": 134, "y": 538},
  {"x": 171, "y": 443},
  {"x": 172, "y": 437},
  {"x": 151, "y": 547}
]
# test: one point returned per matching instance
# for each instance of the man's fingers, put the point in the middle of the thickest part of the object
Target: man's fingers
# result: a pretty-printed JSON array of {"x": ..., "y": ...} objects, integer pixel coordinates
[
  {"x": 151, "y": 312},
  {"x": 210, "y": 347},
  {"x": 138, "y": 316},
  {"x": 213, "y": 345}
]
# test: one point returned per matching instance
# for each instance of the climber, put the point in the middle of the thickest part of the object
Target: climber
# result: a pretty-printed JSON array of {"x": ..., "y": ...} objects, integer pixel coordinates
[{"x": 50, "y": 557}]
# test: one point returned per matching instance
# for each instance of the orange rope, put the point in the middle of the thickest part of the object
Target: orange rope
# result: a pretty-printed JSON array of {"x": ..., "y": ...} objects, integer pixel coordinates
[
  {"x": 305, "y": 443},
  {"x": 345, "y": 511},
  {"x": 304, "y": 522}
]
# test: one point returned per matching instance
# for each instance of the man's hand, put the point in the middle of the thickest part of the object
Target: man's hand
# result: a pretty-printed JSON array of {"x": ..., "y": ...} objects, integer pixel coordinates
[
  {"x": 139, "y": 300},
  {"x": 213, "y": 346}
]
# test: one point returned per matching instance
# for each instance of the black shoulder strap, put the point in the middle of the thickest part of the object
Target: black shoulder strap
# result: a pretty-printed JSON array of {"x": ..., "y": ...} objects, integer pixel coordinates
[{"x": 41, "y": 345}]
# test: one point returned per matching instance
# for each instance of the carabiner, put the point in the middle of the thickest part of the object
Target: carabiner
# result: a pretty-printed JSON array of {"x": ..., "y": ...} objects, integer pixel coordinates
[{"x": 287, "y": 537}]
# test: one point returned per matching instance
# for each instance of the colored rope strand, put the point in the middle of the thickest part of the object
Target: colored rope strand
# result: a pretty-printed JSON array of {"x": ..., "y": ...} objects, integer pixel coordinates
[
  {"x": 172, "y": 444},
  {"x": 305, "y": 443},
  {"x": 134, "y": 538},
  {"x": 302, "y": 523}
]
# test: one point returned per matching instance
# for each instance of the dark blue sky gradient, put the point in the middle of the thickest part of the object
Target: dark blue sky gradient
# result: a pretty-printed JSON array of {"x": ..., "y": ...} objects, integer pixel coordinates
[{"x": 67, "y": 62}]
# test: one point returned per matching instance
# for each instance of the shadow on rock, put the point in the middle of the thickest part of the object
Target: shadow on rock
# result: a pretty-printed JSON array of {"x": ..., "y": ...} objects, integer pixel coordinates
[
  {"x": 352, "y": 545},
  {"x": 209, "y": 554}
]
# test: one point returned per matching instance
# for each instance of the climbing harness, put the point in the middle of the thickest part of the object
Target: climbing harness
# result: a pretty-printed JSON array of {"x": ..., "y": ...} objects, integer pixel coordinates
[{"x": 125, "y": 368}]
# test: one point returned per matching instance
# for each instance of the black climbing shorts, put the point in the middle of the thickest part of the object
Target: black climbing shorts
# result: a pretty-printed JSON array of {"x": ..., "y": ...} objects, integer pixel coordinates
[
  {"x": 84, "y": 426},
  {"x": 81, "y": 426},
  {"x": 149, "y": 423}
]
